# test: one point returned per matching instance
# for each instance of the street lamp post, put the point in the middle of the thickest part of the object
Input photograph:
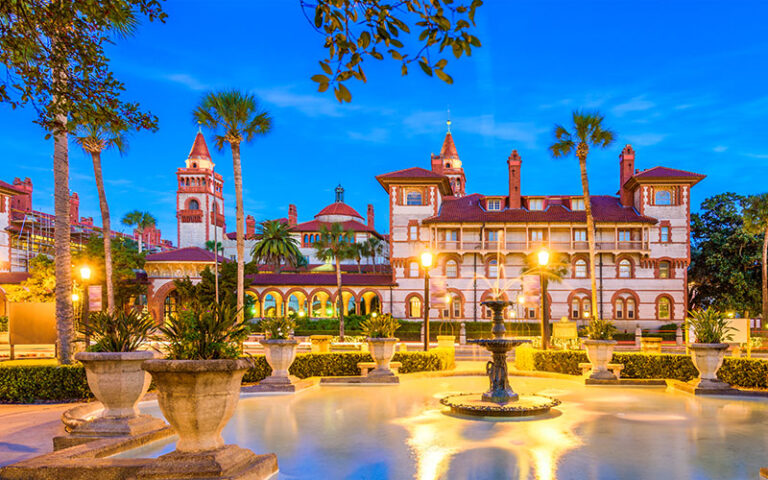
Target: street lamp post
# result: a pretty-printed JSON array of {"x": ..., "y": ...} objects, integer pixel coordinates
[
  {"x": 85, "y": 275},
  {"x": 543, "y": 258},
  {"x": 426, "y": 262}
]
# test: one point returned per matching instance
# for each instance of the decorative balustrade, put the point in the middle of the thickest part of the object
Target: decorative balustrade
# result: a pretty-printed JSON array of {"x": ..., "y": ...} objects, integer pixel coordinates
[{"x": 522, "y": 246}]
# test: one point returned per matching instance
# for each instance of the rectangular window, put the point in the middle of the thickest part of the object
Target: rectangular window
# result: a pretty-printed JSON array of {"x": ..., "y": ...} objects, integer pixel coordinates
[
  {"x": 494, "y": 204},
  {"x": 413, "y": 198},
  {"x": 577, "y": 204},
  {"x": 535, "y": 204},
  {"x": 493, "y": 235},
  {"x": 664, "y": 269},
  {"x": 537, "y": 235},
  {"x": 531, "y": 312},
  {"x": 456, "y": 304},
  {"x": 625, "y": 235},
  {"x": 413, "y": 232},
  {"x": 619, "y": 309},
  {"x": 664, "y": 235},
  {"x": 451, "y": 235},
  {"x": 580, "y": 235}
]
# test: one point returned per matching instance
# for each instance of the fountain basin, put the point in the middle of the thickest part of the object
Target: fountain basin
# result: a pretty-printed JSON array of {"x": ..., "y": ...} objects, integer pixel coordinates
[{"x": 525, "y": 405}]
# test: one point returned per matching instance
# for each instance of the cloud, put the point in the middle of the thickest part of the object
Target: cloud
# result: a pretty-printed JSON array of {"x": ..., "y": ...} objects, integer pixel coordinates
[
  {"x": 637, "y": 104},
  {"x": 645, "y": 139},
  {"x": 720, "y": 148},
  {"x": 374, "y": 135},
  {"x": 425, "y": 122},
  {"x": 187, "y": 80},
  {"x": 309, "y": 105},
  {"x": 486, "y": 125},
  {"x": 756, "y": 155}
]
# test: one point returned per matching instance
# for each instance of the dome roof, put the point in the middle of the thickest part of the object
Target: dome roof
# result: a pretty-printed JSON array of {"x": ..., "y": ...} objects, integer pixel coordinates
[{"x": 339, "y": 208}]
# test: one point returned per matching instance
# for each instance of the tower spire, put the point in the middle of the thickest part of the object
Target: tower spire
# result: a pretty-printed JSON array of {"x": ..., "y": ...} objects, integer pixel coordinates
[
  {"x": 339, "y": 194},
  {"x": 448, "y": 122}
]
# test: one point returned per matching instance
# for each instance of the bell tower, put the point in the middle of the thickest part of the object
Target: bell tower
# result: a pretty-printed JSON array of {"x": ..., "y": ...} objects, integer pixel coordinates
[
  {"x": 199, "y": 198},
  {"x": 449, "y": 164}
]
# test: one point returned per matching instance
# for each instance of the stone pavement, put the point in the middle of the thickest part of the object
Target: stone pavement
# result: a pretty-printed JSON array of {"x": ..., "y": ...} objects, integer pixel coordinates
[{"x": 27, "y": 430}]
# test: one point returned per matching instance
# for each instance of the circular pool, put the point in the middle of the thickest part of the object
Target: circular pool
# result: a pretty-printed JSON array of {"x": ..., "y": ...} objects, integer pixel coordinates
[{"x": 402, "y": 432}]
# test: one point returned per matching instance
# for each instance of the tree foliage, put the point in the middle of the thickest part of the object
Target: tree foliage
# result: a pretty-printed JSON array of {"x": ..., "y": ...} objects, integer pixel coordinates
[
  {"x": 725, "y": 258},
  {"x": 356, "y": 30},
  {"x": 42, "y": 42},
  {"x": 276, "y": 245},
  {"x": 199, "y": 295},
  {"x": 40, "y": 285}
]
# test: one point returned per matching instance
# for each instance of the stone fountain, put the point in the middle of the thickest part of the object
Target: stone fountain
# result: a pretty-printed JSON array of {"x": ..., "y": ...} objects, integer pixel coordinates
[{"x": 500, "y": 400}]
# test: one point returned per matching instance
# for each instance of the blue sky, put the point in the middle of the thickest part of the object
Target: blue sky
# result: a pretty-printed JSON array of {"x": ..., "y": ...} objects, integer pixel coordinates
[{"x": 684, "y": 82}]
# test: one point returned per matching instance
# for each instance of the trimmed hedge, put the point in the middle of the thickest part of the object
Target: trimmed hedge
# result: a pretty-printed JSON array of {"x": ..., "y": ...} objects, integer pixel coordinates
[
  {"x": 740, "y": 372},
  {"x": 28, "y": 384},
  {"x": 410, "y": 330}
]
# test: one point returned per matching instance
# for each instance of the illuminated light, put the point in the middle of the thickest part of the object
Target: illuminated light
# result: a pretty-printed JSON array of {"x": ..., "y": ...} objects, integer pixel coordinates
[
  {"x": 75, "y": 297},
  {"x": 448, "y": 298},
  {"x": 512, "y": 314},
  {"x": 426, "y": 259},
  {"x": 374, "y": 314},
  {"x": 543, "y": 256},
  {"x": 302, "y": 313},
  {"x": 85, "y": 272},
  {"x": 520, "y": 299},
  {"x": 563, "y": 318},
  {"x": 730, "y": 314},
  {"x": 329, "y": 312}
]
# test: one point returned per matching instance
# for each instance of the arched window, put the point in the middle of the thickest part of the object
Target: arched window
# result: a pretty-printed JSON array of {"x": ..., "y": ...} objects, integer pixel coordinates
[
  {"x": 413, "y": 270},
  {"x": 493, "y": 269},
  {"x": 194, "y": 205},
  {"x": 169, "y": 305},
  {"x": 664, "y": 269},
  {"x": 306, "y": 239},
  {"x": 618, "y": 308},
  {"x": 452, "y": 307},
  {"x": 586, "y": 307},
  {"x": 413, "y": 198},
  {"x": 663, "y": 197},
  {"x": 630, "y": 310},
  {"x": 414, "y": 307},
  {"x": 663, "y": 308},
  {"x": 580, "y": 306},
  {"x": 580, "y": 269},
  {"x": 624, "y": 307},
  {"x": 451, "y": 269},
  {"x": 625, "y": 269},
  {"x": 271, "y": 307}
]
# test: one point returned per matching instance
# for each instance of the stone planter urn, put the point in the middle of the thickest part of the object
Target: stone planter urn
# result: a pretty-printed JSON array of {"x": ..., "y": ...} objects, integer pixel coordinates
[
  {"x": 707, "y": 358},
  {"x": 320, "y": 343},
  {"x": 197, "y": 397},
  {"x": 446, "y": 341},
  {"x": 280, "y": 355},
  {"x": 599, "y": 353},
  {"x": 382, "y": 351},
  {"x": 118, "y": 382}
]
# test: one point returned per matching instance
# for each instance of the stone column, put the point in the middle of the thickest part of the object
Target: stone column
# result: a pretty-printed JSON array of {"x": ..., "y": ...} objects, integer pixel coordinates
[
  {"x": 463, "y": 334},
  {"x": 638, "y": 335}
]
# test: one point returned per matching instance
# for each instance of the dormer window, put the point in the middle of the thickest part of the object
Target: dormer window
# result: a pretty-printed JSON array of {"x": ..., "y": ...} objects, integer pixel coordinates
[
  {"x": 413, "y": 198},
  {"x": 535, "y": 204},
  {"x": 663, "y": 197},
  {"x": 494, "y": 204},
  {"x": 577, "y": 204}
]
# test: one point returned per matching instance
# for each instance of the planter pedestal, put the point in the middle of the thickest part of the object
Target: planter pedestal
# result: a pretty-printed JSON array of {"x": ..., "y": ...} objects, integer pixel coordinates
[
  {"x": 599, "y": 353},
  {"x": 280, "y": 355},
  {"x": 320, "y": 343},
  {"x": 382, "y": 351},
  {"x": 229, "y": 462},
  {"x": 707, "y": 358}
]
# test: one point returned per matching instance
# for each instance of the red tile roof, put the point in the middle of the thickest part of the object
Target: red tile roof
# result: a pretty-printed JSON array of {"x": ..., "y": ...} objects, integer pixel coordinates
[
  {"x": 187, "y": 254},
  {"x": 664, "y": 174},
  {"x": 354, "y": 225},
  {"x": 322, "y": 279},
  {"x": 468, "y": 209},
  {"x": 8, "y": 189},
  {"x": 199, "y": 148},
  {"x": 449, "y": 148},
  {"x": 415, "y": 175},
  {"x": 13, "y": 277},
  {"x": 339, "y": 208}
]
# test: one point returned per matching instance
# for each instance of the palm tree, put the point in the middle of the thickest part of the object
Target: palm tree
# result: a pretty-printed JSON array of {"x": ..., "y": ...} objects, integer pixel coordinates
[
  {"x": 95, "y": 139},
  {"x": 210, "y": 245},
  {"x": 337, "y": 245},
  {"x": 756, "y": 222},
  {"x": 375, "y": 249},
  {"x": 276, "y": 245},
  {"x": 360, "y": 251},
  {"x": 61, "y": 241},
  {"x": 142, "y": 221},
  {"x": 234, "y": 117},
  {"x": 587, "y": 130},
  {"x": 554, "y": 271}
]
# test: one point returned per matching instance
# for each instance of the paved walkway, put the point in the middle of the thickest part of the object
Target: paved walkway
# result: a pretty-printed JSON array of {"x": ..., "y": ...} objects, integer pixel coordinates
[{"x": 27, "y": 430}]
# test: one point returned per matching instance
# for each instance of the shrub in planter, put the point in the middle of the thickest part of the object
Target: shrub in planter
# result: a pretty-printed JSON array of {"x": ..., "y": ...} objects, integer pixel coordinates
[
  {"x": 199, "y": 382},
  {"x": 113, "y": 368},
  {"x": 599, "y": 345},
  {"x": 711, "y": 330},
  {"x": 380, "y": 331}
]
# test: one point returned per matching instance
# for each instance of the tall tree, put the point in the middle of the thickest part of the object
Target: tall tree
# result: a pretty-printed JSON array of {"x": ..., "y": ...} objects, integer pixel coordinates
[
  {"x": 54, "y": 59},
  {"x": 756, "y": 223},
  {"x": 336, "y": 244},
  {"x": 210, "y": 245},
  {"x": 354, "y": 30},
  {"x": 360, "y": 250},
  {"x": 140, "y": 220},
  {"x": 95, "y": 139},
  {"x": 375, "y": 249},
  {"x": 553, "y": 272},
  {"x": 725, "y": 257},
  {"x": 276, "y": 245},
  {"x": 587, "y": 129},
  {"x": 234, "y": 117}
]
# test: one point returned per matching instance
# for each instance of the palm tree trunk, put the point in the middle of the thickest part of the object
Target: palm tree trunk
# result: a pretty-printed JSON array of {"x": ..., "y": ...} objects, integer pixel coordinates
[
  {"x": 239, "y": 219},
  {"x": 141, "y": 237},
  {"x": 590, "y": 232},
  {"x": 765, "y": 274},
  {"x": 61, "y": 235},
  {"x": 341, "y": 300},
  {"x": 105, "y": 229}
]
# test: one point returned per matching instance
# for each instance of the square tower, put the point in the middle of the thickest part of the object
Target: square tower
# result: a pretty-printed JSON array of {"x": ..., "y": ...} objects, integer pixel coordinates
[{"x": 199, "y": 199}]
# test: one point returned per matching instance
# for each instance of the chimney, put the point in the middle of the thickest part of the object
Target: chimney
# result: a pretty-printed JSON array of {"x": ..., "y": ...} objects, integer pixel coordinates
[
  {"x": 437, "y": 163},
  {"x": 74, "y": 207},
  {"x": 86, "y": 221},
  {"x": 514, "y": 162},
  {"x": 293, "y": 216},
  {"x": 22, "y": 202},
  {"x": 626, "y": 170},
  {"x": 250, "y": 226},
  {"x": 370, "y": 216}
]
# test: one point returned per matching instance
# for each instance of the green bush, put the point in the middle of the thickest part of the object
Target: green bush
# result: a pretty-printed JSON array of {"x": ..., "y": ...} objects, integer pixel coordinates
[
  {"x": 3, "y": 323},
  {"x": 740, "y": 372},
  {"x": 32, "y": 383}
]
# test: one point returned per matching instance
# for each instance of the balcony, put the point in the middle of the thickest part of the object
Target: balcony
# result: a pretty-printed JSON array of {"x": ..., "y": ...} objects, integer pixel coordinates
[
  {"x": 530, "y": 246},
  {"x": 191, "y": 216}
]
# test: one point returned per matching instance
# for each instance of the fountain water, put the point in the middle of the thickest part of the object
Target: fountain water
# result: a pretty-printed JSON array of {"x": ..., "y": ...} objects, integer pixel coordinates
[{"x": 500, "y": 400}]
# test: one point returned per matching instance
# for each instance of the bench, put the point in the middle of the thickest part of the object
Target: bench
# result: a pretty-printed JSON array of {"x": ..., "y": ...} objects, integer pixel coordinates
[
  {"x": 615, "y": 368},
  {"x": 365, "y": 366}
]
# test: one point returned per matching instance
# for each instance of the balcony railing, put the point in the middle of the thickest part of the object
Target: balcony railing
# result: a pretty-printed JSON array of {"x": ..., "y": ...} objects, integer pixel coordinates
[
  {"x": 191, "y": 216},
  {"x": 522, "y": 246}
]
